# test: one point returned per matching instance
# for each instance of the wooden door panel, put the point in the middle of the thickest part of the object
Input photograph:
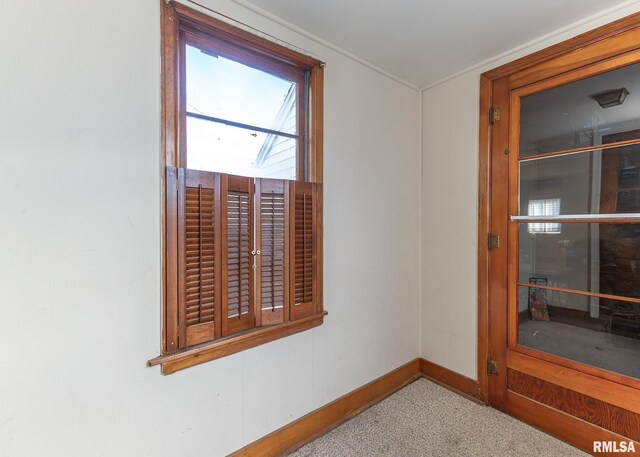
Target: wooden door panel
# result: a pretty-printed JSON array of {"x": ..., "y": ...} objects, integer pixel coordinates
[
  {"x": 597, "y": 412},
  {"x": 570, "y": 399}
]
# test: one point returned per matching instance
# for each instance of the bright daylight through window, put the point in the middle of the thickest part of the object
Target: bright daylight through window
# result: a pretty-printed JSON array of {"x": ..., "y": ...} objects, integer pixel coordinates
[{"x": 240, "y": 120}]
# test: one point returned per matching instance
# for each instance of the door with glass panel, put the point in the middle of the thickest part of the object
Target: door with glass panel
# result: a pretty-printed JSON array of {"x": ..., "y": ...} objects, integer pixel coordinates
[{"x": 566, "y": 183}]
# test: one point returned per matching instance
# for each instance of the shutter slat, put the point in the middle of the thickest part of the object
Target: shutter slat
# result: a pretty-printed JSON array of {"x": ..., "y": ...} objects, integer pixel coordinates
[
  {"x": 199, "y": 242},
  {"x": 304, "y": 258},
  {"x": 199, "y": 294},
  {"x": 238, "y": 303},
  {"x": 272, "y": 196},
  {"x": 216, "y": 268}
]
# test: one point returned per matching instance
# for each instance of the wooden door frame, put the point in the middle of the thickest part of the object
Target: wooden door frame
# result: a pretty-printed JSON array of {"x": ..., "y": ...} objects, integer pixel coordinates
[
  {"x": 623, "y": 36},
  {"x": 580, "y": 53}
]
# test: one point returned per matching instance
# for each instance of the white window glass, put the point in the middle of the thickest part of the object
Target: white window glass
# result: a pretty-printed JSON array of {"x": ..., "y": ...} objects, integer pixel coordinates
[{"x": 240, "y": 120}]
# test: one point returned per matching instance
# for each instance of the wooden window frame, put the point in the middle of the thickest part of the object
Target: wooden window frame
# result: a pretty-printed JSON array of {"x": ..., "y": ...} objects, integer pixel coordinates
[{"x": 177, "y": 20}]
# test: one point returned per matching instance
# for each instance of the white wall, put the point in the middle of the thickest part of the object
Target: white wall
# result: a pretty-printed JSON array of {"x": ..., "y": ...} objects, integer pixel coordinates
[
  {"x": 80, "y": 245},
  {"x": 449, "y": 204}
]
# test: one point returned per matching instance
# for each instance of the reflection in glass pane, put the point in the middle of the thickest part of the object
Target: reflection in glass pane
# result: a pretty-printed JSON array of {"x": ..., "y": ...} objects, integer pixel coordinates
[
  {"x": 609, "y": 340},
  {"x": 544, "y": 207},
  {"x": 212, "y": 146},
  {"x": 567, "y": 117},
  {"x": 593, "y": 182},
  {"x": 225, "y": 89},
  {"x": 600, "y": 258}
]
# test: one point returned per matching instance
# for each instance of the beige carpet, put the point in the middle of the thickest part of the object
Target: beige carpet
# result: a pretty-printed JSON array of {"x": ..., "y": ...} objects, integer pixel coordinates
[{"x": 424, "y": 419}]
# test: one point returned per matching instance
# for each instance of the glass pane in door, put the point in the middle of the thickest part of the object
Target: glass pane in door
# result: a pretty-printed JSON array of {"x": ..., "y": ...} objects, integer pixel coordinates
[
  {"x": 578, "y": 268},
  {"x": 581, "y": 283},
  {"x": 582, "y": 183},
  {"x": 607, "y": 340},
  {"x": 571, "y": 116},
  {"x": 591, "y": 258}
]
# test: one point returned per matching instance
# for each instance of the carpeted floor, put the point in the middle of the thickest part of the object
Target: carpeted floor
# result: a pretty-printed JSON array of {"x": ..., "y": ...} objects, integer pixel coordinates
[{"x": 424, "y": 419}]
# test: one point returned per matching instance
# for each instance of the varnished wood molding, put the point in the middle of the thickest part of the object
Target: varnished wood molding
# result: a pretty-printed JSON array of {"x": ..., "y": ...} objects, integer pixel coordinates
[
  {"x": 568, "y": 46},
  {"x": 450, "y": 379},
  {"x": 287, "y": 439},
  {"x": 296, "y": 434},
  {"x": 601, "y": 389},
  {"x": 484, "y": 224},
  {"x": 236, "y": 343},
  {"x": 565, "y": 427},
  {"x": 610, "y": 417}
]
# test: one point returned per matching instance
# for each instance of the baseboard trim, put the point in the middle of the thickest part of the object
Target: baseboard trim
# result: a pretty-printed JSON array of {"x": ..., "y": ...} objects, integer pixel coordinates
[
  {"x": 304, "y": 430},
  {"x": 300, "y": 432},
  {"x": 450, "y": 379}
]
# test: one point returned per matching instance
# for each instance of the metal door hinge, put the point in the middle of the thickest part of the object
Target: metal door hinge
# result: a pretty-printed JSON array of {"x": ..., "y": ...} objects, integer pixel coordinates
[
  {"x": 492, "y": 367},
  {"x": 494, "y": 115},
  {"x": 493, "y": 241}
]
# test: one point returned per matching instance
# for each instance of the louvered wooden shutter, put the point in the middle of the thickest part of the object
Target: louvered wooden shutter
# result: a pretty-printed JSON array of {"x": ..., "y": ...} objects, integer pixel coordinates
[
  {"x": 223, "y": 283},
  {"x": 272, "y": 228},
  {"x": 199, "y": 291},
  {"x": 237, "y": 254},
  {"x": 304, "y": 290}
]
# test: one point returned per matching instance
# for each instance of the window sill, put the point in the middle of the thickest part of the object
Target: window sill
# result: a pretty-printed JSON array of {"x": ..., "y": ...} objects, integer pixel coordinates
[{"x": 220, "y": 348}]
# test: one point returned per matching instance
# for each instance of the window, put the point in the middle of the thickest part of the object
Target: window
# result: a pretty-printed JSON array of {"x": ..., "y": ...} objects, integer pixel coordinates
[
  {"x": 243, "y": 193},
  {"x": 241, "y": 120},
  {"x": 544, "y": 207}
]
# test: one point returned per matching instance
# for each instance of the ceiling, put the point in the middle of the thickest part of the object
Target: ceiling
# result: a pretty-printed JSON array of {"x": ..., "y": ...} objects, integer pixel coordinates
[{"x": 423, "y": 41}]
